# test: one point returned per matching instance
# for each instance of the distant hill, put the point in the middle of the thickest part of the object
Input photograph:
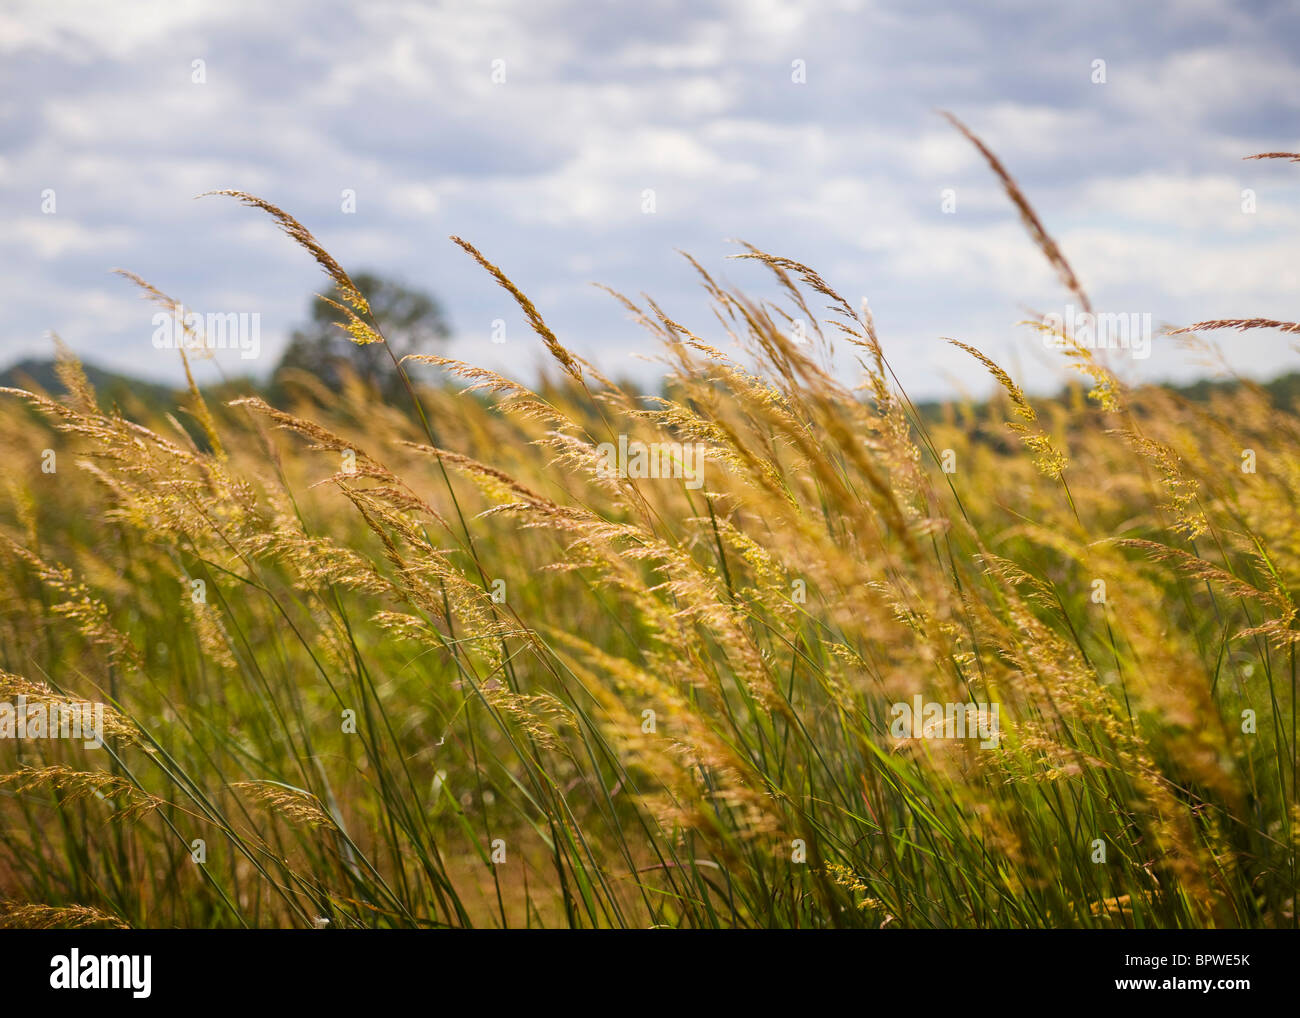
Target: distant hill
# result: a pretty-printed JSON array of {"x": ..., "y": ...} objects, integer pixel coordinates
[
  {"x": 130, "y": 393},
  {"x": 1284, "y": 391},
  {"x": 112, "y": 388}
]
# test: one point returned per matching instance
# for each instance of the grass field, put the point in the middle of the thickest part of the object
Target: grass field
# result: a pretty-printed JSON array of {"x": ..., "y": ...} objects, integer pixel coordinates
[{"x": 442, "y": 664}]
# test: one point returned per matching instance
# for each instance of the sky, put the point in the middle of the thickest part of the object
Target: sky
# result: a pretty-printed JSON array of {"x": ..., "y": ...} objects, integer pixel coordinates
[{"x": 591, "y": 142}]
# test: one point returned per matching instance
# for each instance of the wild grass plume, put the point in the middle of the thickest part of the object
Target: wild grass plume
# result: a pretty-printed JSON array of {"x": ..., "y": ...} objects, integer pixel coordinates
[{"x": 432, "y": 665}]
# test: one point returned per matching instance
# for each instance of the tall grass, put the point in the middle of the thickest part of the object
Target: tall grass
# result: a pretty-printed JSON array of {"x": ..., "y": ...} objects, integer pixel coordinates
[{"x": 675, "y": 710}]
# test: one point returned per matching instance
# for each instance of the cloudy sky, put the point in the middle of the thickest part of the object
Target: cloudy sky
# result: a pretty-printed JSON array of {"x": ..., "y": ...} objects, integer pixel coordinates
[{"x": 1140, "y": 177}]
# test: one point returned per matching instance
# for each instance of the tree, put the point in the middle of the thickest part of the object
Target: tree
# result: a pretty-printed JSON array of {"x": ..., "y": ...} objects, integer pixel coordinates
[{"x": 410, "y": 320}]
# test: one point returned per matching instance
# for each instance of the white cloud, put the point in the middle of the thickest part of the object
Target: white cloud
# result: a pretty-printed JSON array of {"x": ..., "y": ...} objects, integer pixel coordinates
[
  {"x": 50, "y": 236},
  {"x": 1139, "y": 179}
]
